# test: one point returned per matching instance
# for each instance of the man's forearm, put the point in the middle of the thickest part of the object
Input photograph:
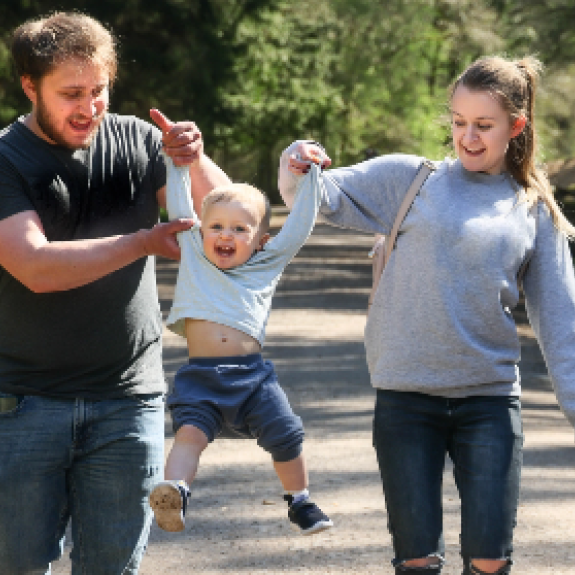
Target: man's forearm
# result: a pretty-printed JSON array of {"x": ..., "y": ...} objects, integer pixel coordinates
[
  {"x": 205, "y": 175},
  {"x": 59, "y": 266},
  {"x": 44, "y": 266}
]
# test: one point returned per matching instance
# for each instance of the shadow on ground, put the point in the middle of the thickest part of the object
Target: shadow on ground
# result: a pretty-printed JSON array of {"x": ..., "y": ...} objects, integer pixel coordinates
[
  {"x": 237, "y": 520},
  {"x": 322, "y": 368}
]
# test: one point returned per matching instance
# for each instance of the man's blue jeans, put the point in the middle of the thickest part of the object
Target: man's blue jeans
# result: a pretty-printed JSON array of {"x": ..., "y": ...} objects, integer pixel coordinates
[
  {"x": 483, "y": 436},
  {"x": 92, "y": 461}
]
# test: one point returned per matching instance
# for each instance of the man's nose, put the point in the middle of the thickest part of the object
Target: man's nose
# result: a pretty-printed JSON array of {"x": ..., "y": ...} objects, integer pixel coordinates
[{"x": 88, "y": 107}]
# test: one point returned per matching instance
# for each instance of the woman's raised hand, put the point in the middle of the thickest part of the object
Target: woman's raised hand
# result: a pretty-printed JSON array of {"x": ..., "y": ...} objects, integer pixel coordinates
[{"x": 304, "y": 154}]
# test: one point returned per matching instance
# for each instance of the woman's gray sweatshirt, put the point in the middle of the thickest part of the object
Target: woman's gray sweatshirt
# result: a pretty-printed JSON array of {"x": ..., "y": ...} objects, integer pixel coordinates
[{"x": 441, "y": 322}]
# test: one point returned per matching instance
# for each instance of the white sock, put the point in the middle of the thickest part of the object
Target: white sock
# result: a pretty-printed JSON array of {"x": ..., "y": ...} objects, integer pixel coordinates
[
  {"x": 182, "y": 483},
  {"x": 299, "y": 495}
]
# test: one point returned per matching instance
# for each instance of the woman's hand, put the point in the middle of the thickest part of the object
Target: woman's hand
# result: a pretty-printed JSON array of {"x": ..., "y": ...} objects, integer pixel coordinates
[{"x": 305, "y": 153}]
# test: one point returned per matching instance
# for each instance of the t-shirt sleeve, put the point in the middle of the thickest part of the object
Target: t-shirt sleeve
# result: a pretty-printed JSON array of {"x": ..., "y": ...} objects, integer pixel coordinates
[
  {"x": 157, "y": 165},
  {"x": 178, "y": 191},
  {"x": 300, "y": 221},
  {"x": 13, "y": 198}
]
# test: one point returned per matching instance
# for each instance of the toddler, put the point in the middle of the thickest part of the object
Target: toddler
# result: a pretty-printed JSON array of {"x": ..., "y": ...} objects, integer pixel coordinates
[{"x": 228, "y": 273}]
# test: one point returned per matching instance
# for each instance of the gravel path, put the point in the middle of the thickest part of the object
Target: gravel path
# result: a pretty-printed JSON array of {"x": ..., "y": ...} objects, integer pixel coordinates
[{"x": 237, "y": 521}]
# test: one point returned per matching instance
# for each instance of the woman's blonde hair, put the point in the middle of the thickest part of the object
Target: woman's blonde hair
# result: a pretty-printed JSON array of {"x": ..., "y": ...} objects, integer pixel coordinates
[{"x": 514, "y": 83}]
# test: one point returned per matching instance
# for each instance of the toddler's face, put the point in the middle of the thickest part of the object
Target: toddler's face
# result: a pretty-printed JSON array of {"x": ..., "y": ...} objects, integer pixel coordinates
[{"x": 231, "y": 233}]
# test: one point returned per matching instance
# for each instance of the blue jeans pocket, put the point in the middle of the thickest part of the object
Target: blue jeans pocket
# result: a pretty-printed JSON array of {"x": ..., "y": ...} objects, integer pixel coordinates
[{"x": 10, "y": 404}]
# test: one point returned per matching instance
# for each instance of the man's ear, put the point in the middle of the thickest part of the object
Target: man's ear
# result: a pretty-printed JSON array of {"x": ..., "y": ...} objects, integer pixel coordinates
[
  {"x": 263, "y": 241},
  {"x": 518, "y": 126},
  {"x": 29, "y": 87}
]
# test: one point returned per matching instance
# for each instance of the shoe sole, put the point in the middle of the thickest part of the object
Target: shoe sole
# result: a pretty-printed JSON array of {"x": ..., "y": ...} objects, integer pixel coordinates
[
  {"x": 166, "y": 502},
  {"x": 317, "y": 528}
]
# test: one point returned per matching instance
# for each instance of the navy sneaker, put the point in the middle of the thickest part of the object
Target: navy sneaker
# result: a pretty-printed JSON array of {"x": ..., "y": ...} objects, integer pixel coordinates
[
  {"x": 307, "y": 516},
  {"x": 169, "y": 500}
]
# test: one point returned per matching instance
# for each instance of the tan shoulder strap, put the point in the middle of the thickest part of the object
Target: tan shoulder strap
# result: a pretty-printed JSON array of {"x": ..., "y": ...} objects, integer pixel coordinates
[{"x": 424, "y": 170}]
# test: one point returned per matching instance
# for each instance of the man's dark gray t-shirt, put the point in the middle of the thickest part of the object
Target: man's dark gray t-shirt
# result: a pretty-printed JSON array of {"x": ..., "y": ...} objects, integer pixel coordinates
[{"x": 102, "y": 340}]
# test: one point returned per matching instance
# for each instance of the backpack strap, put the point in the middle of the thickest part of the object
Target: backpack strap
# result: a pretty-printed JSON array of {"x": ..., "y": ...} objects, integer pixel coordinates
[
  {"x": 424, "y": 170},
  {"x": 384, "y": 244}
]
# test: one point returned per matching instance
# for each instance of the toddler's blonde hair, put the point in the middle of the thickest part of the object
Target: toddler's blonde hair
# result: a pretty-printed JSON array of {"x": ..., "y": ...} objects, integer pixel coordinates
[{"x": 243, "y": 193}]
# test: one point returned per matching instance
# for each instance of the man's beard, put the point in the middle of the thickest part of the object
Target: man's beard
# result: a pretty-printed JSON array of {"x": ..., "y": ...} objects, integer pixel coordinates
[{"x": 44, "y": 120}]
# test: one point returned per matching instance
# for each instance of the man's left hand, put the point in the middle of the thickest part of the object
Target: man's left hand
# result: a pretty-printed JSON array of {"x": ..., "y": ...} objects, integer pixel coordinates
[{"x": 182, "y": 141}]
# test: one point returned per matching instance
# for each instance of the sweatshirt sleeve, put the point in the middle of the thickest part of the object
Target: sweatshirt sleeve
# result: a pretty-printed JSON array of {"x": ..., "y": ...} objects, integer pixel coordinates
[
  {"x": 549, "y": 286},
  {"x": 365, "y": 197}
]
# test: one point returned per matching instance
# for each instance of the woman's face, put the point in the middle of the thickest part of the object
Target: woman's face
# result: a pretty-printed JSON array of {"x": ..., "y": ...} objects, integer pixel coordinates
[{"x": 481, "y": 130}]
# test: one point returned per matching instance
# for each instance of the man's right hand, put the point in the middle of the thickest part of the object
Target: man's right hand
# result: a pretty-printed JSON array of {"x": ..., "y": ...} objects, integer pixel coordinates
[
  {"x": 44, "y": 266},
  {"x": 161, "y": 239}
]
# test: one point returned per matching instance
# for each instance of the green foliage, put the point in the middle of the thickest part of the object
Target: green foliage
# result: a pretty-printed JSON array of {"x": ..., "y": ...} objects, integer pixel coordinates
[
  {"x": 395, "y": 62},
  {"x": 545, "y": 29},
  {"x": 361, "y": 76},
  {"x": 279, "y": 89}
]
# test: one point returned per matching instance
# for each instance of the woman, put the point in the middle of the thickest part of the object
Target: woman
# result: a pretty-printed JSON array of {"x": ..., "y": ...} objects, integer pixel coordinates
[{"x": 441, "y": 343}]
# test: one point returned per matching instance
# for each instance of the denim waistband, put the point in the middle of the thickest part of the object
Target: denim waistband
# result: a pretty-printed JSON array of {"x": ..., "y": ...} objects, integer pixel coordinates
[{"x": 251, "y": 358}]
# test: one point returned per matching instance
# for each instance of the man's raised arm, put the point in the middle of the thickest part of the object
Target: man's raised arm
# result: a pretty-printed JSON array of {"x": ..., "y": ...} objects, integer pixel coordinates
[{"x": 182, "y": 141}]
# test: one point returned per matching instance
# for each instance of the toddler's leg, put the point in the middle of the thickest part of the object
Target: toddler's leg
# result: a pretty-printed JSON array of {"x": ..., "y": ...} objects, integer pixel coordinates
[
  {"x": 170, "y": 497},
  {"x": 302, "y": 512},
  {"x": 184, "y": 456},
  {"x": 270, "y": 418},
  {"x": 292, "y": 474}
]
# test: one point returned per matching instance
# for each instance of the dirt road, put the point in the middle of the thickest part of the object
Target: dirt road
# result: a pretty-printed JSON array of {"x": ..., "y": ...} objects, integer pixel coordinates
[{"x": 237, "y": 521}]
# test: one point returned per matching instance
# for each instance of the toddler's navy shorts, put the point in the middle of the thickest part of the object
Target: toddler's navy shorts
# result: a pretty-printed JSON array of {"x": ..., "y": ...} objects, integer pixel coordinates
[{"x": 240, "y": 394}]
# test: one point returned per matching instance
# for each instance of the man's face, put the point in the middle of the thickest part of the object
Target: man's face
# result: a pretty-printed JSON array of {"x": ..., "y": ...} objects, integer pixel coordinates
[{"x": 69, "y": 103}]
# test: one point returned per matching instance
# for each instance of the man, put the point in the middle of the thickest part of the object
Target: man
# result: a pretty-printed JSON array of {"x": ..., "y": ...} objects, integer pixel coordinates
[{"x": 81, "y": 380}]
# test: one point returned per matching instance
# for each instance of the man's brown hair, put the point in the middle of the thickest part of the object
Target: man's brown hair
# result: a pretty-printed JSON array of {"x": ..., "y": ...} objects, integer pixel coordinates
[{"x": 39, "y": 45}]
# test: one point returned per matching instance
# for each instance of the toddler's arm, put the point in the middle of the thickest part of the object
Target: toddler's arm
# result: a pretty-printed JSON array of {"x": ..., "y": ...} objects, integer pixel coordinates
[
  {"x": 364, "y": 197},
  {"x": 300, "y": 221},
  {"x": 178, "y": 191}
]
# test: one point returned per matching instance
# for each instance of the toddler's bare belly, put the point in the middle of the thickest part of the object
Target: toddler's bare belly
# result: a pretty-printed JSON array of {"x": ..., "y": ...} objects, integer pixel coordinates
[{"x": 209, "y": 339}]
